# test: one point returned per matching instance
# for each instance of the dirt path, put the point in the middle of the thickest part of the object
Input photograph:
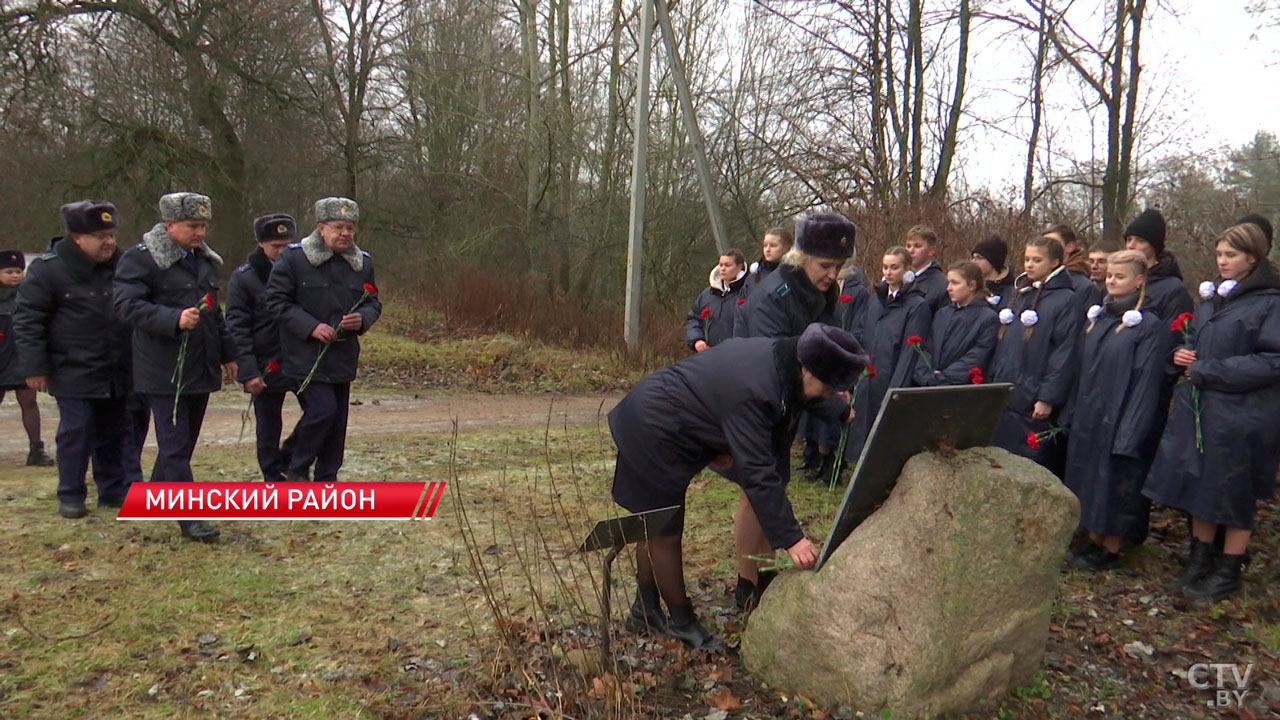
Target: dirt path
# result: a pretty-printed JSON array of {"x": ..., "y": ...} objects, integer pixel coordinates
[{"x": 371, "y": 414}]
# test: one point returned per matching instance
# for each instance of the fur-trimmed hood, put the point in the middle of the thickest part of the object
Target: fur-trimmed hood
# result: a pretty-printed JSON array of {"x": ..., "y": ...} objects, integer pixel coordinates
[
  {"x": 720, "y": 286},
  {"x": 317, "y": 252},
  {"x": 166, "y": 252}
]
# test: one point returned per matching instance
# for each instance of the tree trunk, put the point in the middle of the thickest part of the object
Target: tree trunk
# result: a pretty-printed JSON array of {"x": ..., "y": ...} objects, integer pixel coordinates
[
  {"x": 1037, "y": 107},
  {"x": 938, "y": 190}
]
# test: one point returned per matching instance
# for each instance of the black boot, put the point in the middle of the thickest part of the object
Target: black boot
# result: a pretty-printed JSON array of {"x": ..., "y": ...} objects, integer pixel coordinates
[
  {"x": 646, "y": 612},
  {"x": 809, "y": 458},
  {"x": 684, "y": 626},
  {"x": 199, "y": 530},
  {"x": 1222, "y": 582},
  {"x": 37, "y": 456},
  {"x": 292, "y": 476},
  {"x": 822, "y": 474},
  {"x": 1200, "y": 562},
  {"x": 72, "y": 510},
  {"x": 1094, "y": 557},
  {"x": 745, "y": 595}
]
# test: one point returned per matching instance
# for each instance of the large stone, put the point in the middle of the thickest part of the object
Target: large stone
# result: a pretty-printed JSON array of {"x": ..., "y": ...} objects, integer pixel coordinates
[{"x": 939, "y": 600}]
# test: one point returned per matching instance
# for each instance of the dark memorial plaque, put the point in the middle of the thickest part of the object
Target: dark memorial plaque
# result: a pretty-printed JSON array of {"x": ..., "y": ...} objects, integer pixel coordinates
[
  {"x": 911, "y": 421},
  {"x": 619, "y": 532}
]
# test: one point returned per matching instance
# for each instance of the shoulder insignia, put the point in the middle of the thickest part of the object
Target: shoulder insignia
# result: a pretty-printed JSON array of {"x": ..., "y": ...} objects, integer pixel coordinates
[
  {"x": 48, "y": 256},
  {"x": 294, "y": 245},
  {"x": 365, "y": 253},
  {"x": 243, "y": 268},
  {"x": 783, "y": 290}
]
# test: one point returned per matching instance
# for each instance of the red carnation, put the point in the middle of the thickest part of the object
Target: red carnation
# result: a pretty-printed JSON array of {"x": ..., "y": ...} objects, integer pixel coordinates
[
  {"x": 370, "y": 288},
  {"x": 975, "y": 371},
  {"x": 1033, "y": 441},
  {"x": 846, "y": 298},
  {"x": 273, "y": 365},
  {"x": 1181, "y": 322},
  {"x": 976, "y": 379},
  {"x": 706, "y": 313},
  {"x": 1, "y": 337},
  {"x": 915, "y": 340},
  {"x": 207, "y": 301},
  {"x": 871, "y": 371},
  {"x": 742, "y": 301}
]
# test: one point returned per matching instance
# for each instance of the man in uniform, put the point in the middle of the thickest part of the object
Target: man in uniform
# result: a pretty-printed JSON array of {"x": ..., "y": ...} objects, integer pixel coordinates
[
  {"x": 72, "y": 346},
  {"x": 160, "y": 290},
  {"x": 256, "y": 333},
  {"x": 320, "y": 291}
]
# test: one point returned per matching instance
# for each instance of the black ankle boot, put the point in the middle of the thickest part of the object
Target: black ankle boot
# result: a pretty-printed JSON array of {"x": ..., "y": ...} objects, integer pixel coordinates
[
  {"x": 684, "y": 626},
  {"x": 1222, "y": 582},
  {"x": 38, "y": 457},
  {"x": 646, "y": 612},
  {"x": 745, "y": 595},
  {"x": 1200, "y": 561},
  {"x": 822, "y": 474},
  {"x": 1094, "y": 557}
]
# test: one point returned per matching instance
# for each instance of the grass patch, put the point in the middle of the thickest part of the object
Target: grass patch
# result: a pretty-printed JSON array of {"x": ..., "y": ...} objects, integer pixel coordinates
[{"x": 405, "y": 351}]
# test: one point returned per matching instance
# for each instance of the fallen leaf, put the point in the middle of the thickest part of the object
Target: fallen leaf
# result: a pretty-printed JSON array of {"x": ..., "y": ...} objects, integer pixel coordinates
[{"x": 724, "y": 699}]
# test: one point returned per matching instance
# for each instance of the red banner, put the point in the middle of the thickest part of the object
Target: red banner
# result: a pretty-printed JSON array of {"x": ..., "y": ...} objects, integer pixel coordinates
[{"x": 282, "y": 501}]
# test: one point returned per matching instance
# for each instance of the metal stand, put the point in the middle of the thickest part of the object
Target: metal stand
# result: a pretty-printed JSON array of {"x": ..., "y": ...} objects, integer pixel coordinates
[{"x": 615, "y": 534}]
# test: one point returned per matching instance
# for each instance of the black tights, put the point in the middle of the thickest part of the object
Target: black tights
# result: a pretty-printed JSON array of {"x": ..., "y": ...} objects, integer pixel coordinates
[
  {"x": 660, "y": 562},
  {"x": 30, "y": 413}
]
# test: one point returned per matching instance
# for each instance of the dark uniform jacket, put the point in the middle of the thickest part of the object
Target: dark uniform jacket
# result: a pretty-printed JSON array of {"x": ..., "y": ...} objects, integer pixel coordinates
[
  {"x": 932, "y": 282},
  {"x": 10, "y": 372},
  {"x": 1237, "y": 374},
  {"x": 1167, "y": 296},
  {"x": 962, "y": 338},
  {"x": 1042, "y": 367},
  {"x": 310, "y": 285},
  {"x": 722, "y": 301},
  {"x": 1001, "y": 291},
  {"x": 154, "y": 284},
  {"x": 1112, "y": 415},
  {"x": 254, "y": 329},
  {"x": 740, "y": 398},
  {"x": 784, "y": 304},
  {"x": 67, "y": 327}
]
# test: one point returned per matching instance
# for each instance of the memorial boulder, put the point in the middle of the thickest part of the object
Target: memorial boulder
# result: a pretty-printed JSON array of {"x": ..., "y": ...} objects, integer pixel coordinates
[{"x": 939, "y": 600}]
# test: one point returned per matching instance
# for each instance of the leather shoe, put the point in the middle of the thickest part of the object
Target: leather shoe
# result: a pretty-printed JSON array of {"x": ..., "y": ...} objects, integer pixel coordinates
[
  {"x": 199, "y": 530},
  {"x": 646, "y": 614},
  {"x": 1095, "y": 557},
  {"x": 72, "y": 510}
]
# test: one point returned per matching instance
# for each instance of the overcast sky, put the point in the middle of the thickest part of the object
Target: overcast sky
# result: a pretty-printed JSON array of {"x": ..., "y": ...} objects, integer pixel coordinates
[{"x": 1213, "y": 74}]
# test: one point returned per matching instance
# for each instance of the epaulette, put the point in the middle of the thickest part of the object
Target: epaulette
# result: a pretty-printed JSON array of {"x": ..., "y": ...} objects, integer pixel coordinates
[
  {"x": 365, "y": 253},
  {"x": 783, "y": 290},
  {"x": 243, "y": 267},
  {"x": 295, "y": 245},
  {"x": 48, "y": 256}
]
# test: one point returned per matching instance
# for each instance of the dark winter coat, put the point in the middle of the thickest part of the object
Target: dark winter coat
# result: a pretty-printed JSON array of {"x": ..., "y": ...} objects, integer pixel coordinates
[
  {"x": 961, "y": 339},
  {"x": 784, "y": 304},
  {"x": 1094, "y": 296},
  {"x": 1167, "y": 296},
  {"x": 153, "y": 285},
  {"x": 10, "y": 371},
  {"x": 888, "y": 325},
  {"x": 722, "y": 301},
  {"x": 1042, "y": 367},
  {"x": 1237, "y": 374},
  {"x": 67, "y": 326},
  {"x": 1114, "y": 412},
  {"x": 310, "y": 285},
  {"x": 740, "y": 398},
  {"x": 851, "y": 315},
  {"x": 1084, "y": 289},
  {"x": 1001, "y": 292},
  {"x": 254, "y": 329},
  {"x": 932, "y": 281}
]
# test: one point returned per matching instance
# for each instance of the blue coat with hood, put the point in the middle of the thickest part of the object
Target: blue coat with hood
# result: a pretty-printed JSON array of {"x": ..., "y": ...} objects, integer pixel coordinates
[
  {"x": 1042, "y": 362},
  {"x": 1236, "y": 379}
]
